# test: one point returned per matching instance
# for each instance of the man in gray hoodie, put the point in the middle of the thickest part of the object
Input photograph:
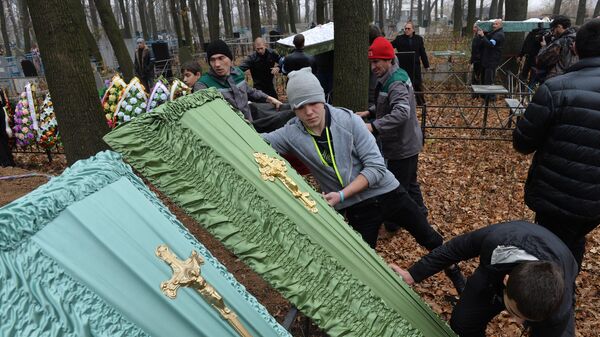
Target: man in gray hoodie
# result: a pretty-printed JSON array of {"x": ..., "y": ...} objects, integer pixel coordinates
[{"x": 344, "y": 158}]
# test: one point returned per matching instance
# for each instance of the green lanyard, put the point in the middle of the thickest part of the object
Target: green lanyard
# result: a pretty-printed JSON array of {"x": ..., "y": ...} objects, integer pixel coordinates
[{"x": 337, "y": 172}]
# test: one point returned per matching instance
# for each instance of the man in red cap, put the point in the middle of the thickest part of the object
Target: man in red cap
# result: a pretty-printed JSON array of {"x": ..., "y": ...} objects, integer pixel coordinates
[{"x": 396, "y": 121}]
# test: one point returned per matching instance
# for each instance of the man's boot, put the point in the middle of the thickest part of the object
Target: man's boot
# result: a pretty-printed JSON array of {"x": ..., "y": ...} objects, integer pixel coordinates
[{"x": 455, "y": 275}]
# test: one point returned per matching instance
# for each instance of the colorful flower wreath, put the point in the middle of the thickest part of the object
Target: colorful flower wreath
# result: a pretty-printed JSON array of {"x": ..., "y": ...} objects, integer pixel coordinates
[
  {"x": 48, "y": 136},
  {"x": 160, "y": 94},
  {"x": 111, "y": 99},
  {"x": 132, "y": 103},
  {"x": 25, "y": 118},
  {"x": 178, "y": 89}
]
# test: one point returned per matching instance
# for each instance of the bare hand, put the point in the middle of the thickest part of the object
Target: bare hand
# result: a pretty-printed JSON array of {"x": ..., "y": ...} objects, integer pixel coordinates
[
  {"x": 363, "y": 114},
  {"x": 403, "y": 273},
  {"x": 480, "y": 32},
  {"x": 369, "y": 127},
  {"x": 332, "y": 198},
  {"x": 274, "y": 101},
  {"x": 275, "y": 70}
]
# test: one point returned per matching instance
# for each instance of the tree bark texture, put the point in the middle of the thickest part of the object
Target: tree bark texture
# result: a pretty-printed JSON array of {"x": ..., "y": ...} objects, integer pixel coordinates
[
  {"x": 281, "y": 26},
  {"x": 134, "y": 18},
  {"x": 351, "y": 44},
  {"x": 152, "y": 17},
  {"x": 557, "y": 4},
  {"x": 457, "y": 10},
  {"x": 380, "y": 17},
  {"x": 516, "y": 10},
  {"x": 226, "y": 12},
  {"x": 320, "y": 11},
  {"x": 420, "y": 12},
  {"x": 493, "y": 9},
  {"x": 79, "y": 14},
  {"x": 109, "y": 23},
  {"x": 596, "y": 10},
  {"x": 292, "y": 13},
  {"x": 254, "y": 18},
  {"x": 5, "y": 39},
  {"x": 25, "y": 23},
  {"x": 143, "y": 22},
  {"x": 199, "y": 25},
  {"x": 580, "y": 12},
  {"x": 500, "y": 11},
  {"x": 241, "y": 15},
  {"x": 125, "y": 16},
  {"x": 16, "y": 26},
  {"x": 212, "y": 7},
  {"x": 306, "y": 11},
  {"x": 471, "y": 14},
  {"x": 185, "y": 22},
  {"x": 175, "y": 16},
  {"x": 70, "y": 78},
  {"x": 480, "y": 9},
  {"x": 93, "y": 15}
]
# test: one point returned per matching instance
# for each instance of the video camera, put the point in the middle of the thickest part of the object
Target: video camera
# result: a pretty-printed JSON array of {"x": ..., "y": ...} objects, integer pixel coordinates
[{"x": 544, "y": 33}]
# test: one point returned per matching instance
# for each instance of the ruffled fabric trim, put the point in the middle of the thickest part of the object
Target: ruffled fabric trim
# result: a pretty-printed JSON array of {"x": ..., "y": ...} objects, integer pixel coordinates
[
  {"x": 24, "y": 217},
  {"x": 208, "y": 187}
]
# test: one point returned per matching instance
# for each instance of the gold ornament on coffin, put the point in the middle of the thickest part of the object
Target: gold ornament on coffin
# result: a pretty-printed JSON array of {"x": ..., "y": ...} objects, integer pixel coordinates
[
  {"x": 187, "y": 274},
  {"x": 271, "y": 168}
]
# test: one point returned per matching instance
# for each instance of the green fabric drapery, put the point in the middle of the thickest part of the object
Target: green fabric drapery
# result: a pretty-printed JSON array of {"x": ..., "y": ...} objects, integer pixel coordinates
[
  {"x": 199, "y": 152},
  {"x": 77, "y": 259}
]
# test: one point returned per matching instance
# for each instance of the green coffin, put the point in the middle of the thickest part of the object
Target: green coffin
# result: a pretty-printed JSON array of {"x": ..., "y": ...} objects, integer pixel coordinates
[
  {"x": 77, "y": 258},
  {"x": 515, "y": 26},
  {"x": 200, "y": 153}
]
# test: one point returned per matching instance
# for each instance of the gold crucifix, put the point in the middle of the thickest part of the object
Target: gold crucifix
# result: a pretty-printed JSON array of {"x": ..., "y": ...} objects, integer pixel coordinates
[
  {"x": 187, "y": 274},
  {"x": 271, "y": 168}
]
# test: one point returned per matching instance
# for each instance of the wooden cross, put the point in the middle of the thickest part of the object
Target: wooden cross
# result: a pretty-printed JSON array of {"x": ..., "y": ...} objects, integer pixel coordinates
[{"x": 187, "y": 274}]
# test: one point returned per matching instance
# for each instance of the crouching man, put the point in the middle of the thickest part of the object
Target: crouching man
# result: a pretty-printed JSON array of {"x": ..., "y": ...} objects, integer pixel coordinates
[{"x": 523, "y": 269}]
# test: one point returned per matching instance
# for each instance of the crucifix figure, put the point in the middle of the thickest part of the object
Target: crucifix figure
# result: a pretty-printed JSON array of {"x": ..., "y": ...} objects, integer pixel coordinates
[{"x": 187, "y": 274}]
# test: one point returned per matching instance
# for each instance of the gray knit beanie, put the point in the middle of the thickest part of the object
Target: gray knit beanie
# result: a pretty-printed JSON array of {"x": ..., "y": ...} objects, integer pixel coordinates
[{"x": 303, "y": 87}]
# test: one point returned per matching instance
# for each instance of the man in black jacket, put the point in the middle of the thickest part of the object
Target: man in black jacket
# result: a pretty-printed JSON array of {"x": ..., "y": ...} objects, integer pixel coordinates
[
  {"x": 263, "y": 64},
  {"x": 144, "y": 67},
  {"x": 298, "y": 59},
  {"x": 411, "y": 42},
  {"x": 562, "y": 126},
  {"x": 476, "y": 56},
  {"x": 523, "y": 269},
  {"x": 491, "y": 52}
]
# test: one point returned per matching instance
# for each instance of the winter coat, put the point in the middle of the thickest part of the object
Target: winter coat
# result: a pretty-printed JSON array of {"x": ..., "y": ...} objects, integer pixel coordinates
[
  {"x": 297, "y": 60},
  {"x": 355, "y": 153},
  {"x": 396, "y": 116},
  {"x": 144, "y": 67},
  {"x": 404, "y": 43},
  {"x": 234, "y": 89},
  {"x": 491, "y": 52},
  {"x": 562, "y": 126},
  {"x": 260, "y": 67},
  {"x": 476, "y": 46},
  {"x": 559, "y": 55},
  {"x": 500, "y": 248}
]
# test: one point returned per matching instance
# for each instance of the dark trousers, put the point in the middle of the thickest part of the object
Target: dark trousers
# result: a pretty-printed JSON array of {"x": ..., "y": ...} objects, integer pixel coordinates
[
  {"x": 266, "y": 87},
  {"x": 478, "y": 304},
  {"x": 489, "y": 74},
  {"x": 476, "y": 77},
  {"x": 397, "y": 207},
  {"x": 571, "y": 233},
  {"x": 419, "y": 95},
  {"x": 405, "y": 171}
]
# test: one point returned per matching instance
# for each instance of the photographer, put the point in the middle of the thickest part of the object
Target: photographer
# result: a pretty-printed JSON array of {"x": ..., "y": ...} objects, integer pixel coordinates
[
  {"x": 529, "y": 50},
  {"x": 554, "y": 58}
]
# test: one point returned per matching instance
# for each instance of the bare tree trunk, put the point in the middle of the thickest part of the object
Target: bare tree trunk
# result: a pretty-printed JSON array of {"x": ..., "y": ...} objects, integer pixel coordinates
[
  {"x": 281, "y": 26},
  {"x": 320, "y": 11},
  {"x": 516, "y": 10},
  {"x": 16, "y": 26},
  {"x": 442, "y": 8},
  {"x": 241, "y": 17},
  {"x": 185, "y": 22},
  {"x": 471, "y": 13},
  {"x": 196, "y": 17},
  {"x": 292, "y": 15},
  {"x": 5, "y": 39},
  {"x": 457, "y": 9},
  {"x": 166, "y": 18},
  {"x": 93, "y": 15},
  {"x": 556, "y": 9},
  {"x": 212, "y": 7},
  {"x": 152, "y": 15},
  {"x": 79, "y": 15},
  {"x": 109, "y": 23},
  {"x": 351, "y": 43},
  {"x": 226, "y": 11},
  {"x": 410, "y": 10},
  {"x": 125, "y": 16},
  {"x": 580, "y": 12},
  {"x": 134, "y": 18},
  {"x": 596, "y": 10},
  {"x": 420, "y": 12},
  {"x": 269, "y": 7},
  {"x": 493, "y": 9},
  {"x": 307, "y": 11},
  {"x": 175, "y": 16},
  {"x": 63, "y": 48},
  {"x": 380, "y": 14},
  {"x": 500, "y": 12},
  {"x": 480, "y": 9},
  {"x": 247, "y": 14},
  {"x": 254, "y": 18},
  {"x": 142, "y": 14},
  {"x": 25, "y": 23}
]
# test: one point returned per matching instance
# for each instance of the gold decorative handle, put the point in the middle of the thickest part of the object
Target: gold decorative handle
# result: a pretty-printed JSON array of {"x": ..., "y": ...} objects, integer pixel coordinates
[
  {"x": 271, "y": 168},
  {"x": 187, "y": 274}
]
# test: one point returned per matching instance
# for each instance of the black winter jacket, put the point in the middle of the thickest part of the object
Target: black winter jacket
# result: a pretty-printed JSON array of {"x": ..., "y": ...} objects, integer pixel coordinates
[
  {"x": 260, "y": 67},
  {"x": 476, "y": 46},
  {"x": 500, "y": 248},
  {"x": 297, "y": 60},
  {"x": 404, "y": 43},
  {"x": 562, "y": 126},
  {"x": 491, "y": 53}
]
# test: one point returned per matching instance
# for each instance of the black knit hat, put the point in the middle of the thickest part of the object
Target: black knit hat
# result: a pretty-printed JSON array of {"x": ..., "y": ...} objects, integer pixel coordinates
[{"x": 218, "y": 47}]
